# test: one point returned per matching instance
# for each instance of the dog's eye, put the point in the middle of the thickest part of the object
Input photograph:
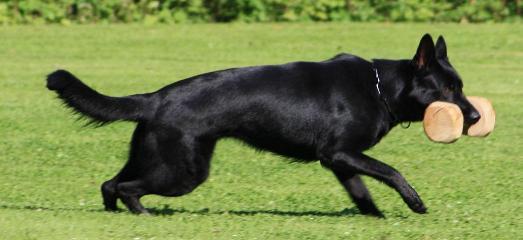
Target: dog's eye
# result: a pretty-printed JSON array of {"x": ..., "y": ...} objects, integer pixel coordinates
[
  {"x": 447, "y": 90},
  {"x": 452, "y": 87}
]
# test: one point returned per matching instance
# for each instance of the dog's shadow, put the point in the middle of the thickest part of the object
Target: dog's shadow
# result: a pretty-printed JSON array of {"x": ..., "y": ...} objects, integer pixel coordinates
[{"x": 168, "y": 211}]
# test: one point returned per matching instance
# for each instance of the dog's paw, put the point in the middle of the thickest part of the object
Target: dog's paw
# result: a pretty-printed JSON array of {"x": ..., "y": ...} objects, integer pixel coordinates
[
  {"x": 59, "y": 80},
  {"x": 418, "y": 207},
  {"x": 415, "y": 203}
]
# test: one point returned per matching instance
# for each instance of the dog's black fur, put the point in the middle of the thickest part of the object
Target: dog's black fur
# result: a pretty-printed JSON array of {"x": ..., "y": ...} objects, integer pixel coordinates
[{"x": 329, "y": 111}]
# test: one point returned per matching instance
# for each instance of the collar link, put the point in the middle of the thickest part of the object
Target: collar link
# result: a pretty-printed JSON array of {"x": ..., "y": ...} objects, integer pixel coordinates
[{"x": 384, "y": 100}]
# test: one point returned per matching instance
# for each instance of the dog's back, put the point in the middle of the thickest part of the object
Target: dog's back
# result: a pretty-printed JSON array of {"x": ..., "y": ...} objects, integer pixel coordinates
[{"x": 286, "y": 109}]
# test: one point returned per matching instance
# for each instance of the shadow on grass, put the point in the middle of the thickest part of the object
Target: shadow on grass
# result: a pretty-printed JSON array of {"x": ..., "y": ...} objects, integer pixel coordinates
[
  {"x": 168, "y": 211},
  {"x": 43, "y": 208}
]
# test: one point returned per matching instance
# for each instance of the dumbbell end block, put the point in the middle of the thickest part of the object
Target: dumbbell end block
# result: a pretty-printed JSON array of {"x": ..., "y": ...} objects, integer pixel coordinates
[
  {"x": 443, "y": 122},
  {"x": 486, "y": 123}
]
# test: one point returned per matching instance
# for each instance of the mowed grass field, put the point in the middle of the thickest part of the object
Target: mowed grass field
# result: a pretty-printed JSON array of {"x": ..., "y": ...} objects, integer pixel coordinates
[{"x": 51, "y": 167}]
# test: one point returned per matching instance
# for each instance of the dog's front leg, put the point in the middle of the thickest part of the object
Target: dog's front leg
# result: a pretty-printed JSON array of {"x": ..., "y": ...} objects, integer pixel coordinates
[
  {"x": 361, "y": 164},
  {"x": 358, "y": 192}
]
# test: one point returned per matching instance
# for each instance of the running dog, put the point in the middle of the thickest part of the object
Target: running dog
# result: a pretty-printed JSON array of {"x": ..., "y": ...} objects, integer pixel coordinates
[{"x": 329, "y": 111}]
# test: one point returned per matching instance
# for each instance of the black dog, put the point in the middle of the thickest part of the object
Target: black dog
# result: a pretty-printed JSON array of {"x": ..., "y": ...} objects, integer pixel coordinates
[{"x": 330, "y": 111}]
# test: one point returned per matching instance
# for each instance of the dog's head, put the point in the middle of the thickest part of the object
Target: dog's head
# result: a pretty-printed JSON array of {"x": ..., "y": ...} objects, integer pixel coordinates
[{"x": 436, "y": 80}]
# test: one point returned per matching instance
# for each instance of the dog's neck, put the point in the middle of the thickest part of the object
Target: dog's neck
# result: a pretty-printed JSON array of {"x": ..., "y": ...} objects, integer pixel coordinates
[{"x": 395, "y": 84}]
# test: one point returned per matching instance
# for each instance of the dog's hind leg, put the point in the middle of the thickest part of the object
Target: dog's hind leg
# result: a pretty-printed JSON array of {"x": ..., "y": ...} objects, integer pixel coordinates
[
  {"x": 130, "y": 194},
  {"x": 129, "y": 184},
  {"x": 164, "y": 161},
  {"x": 358, "y": 193},
  {"x": 186, "y": 163},
  {"x": 109, "y": 195}
]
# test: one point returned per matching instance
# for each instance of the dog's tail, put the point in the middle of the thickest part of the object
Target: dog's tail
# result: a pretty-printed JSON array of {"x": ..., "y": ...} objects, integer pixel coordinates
[{"x": 99, "y": 108}]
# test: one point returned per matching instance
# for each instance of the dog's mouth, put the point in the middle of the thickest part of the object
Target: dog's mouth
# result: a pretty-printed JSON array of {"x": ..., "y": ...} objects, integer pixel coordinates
[{"x": 469, "y": 121}]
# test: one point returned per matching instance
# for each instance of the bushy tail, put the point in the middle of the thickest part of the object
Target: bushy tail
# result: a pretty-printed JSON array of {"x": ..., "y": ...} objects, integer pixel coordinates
[{"x": 100, "y": 109}]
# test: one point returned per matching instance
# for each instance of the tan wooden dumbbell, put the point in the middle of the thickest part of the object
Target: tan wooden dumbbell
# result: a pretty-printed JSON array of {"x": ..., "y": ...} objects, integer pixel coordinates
[
  {"x": 486, "y": 123},
  {"x": 443, "y": 121}
]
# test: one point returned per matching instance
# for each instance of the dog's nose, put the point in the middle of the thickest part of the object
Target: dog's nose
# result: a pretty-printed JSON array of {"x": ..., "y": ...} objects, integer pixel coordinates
[{"x": 474, "y": 117}]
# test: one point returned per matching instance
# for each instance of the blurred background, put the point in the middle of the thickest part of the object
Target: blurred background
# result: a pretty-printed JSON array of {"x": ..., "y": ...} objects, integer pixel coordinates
[{"x": 181, "y": 11}]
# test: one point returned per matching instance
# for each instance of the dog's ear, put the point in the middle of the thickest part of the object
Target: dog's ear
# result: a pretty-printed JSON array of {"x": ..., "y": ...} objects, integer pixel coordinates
[
  {"x": 425, "y": 54},
  {"x": 441, "y": 48}
]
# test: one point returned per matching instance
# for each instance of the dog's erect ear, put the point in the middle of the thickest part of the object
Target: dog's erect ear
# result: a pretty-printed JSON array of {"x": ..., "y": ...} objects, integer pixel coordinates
[
  {"x": 441, "y": 48},
  {"x": 426, "y": 53}
]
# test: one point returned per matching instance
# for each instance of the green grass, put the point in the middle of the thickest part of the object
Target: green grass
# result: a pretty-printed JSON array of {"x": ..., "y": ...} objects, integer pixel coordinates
[{"x": 51, "y": 167}]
